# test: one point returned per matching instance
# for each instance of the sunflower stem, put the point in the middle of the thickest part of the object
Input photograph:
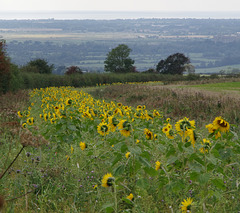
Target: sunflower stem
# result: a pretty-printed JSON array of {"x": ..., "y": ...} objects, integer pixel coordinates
[{"x": 115, "y": 197}]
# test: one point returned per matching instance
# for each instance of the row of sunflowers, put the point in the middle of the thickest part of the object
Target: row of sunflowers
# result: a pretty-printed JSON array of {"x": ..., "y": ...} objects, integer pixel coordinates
[{"x": 138, "y": 153}]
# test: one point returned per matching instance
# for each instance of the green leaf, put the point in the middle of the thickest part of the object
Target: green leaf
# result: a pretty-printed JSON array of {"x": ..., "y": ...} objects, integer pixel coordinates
[
  {"x": 124, "y": 148},
  {"x": 116, "y": 159},
  {"x": 219, "y": 183},
  {"x": 203, "y": 178},
  {"x": 180, "y": 147},
  {"x": 119, "y": 170},
  {"x": 136, "y": 150},
  {"x": 151, "y": 171},
  {"x": 172, "y": 159},
  {"x": 144, "y": 161},
  {"x": 171, "y": 151},
  {"x": 72, "y": 127},
  {"x": 194, "y": 176},
  {"x": 142, "y": 183}
]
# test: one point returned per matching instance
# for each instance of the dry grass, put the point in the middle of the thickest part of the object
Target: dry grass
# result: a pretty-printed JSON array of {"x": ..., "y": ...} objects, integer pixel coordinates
[{"x": 175, "y": 102}]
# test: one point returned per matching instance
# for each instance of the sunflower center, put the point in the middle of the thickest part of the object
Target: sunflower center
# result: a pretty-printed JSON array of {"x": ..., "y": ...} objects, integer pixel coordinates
[
  {"x": 110, "y": 181},
  {"x": 222, "y": 123},
  {"x": 104, "y": 128}
]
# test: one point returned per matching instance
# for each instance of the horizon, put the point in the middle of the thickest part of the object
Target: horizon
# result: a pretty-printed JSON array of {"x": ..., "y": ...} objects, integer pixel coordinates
[{"x": 114, "y": 14}]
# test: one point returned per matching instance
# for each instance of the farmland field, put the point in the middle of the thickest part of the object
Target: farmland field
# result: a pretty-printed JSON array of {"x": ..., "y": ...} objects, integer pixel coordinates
[{"x": 124, "y": 148}]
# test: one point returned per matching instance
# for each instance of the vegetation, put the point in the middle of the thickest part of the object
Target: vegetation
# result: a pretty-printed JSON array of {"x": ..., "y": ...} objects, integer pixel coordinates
[
  {"x": 173, "y": 64},
  {"x": 73, "y": 70},
  {"x": 118, "y": 60},
  {"x": 83, "y": 154},
  {"x": 38, "y": 66},
  {"x": 5, "y": 68}
]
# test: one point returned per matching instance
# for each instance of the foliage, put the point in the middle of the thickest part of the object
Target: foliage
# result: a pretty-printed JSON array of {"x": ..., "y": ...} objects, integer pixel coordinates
[
  {"x": 5, "y": 68},
  {"x": 38, "y": 66},
  {"x": 173, "y": 64},
  {"x": 118, "y": 60},
  {"x": 73, "y": 70}
]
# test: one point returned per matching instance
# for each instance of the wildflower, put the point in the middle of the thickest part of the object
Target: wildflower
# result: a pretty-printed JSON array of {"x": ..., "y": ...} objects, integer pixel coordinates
[
  {"x": 148, "y": 133},
  {"x": 95, "y": 186},
  {"x": 82, "y": 146},
  {"x": 103, "y": 129},
  {"x": 127, "y": 154},
  {"x": 125, "y": 128},
  {"x": 206, "y": 145},
  {"x": 68, "y": 157},
  {"x": 107, "y": 180},
  {"x": 186, "y": 205},
  {"x": 157, "y": 165},
  {"x": 137, "y": 141},
  {"x": 72, "y": 149},
  {"x": 130, "y": 197}
]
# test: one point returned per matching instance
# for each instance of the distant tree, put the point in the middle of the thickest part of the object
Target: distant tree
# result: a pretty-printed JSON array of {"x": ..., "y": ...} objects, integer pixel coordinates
[
  {"x": 118, "y": 60},
  {"x": 38, "y": 66},
  {"x": 5, "y": 68},
  {"x": 173, "y": 64},
  {"x": 73, "y": 70}
]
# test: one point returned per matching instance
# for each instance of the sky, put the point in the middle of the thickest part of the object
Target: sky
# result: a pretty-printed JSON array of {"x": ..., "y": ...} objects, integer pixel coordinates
[{"x": 120, "y": 5}]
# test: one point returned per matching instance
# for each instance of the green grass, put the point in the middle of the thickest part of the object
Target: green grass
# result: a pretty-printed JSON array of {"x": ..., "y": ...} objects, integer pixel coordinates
[{"x": 220, "y": 87}]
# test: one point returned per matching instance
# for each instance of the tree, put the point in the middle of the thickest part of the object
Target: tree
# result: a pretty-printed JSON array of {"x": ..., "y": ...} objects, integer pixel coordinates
[
  {"x": 118, "y": 60},
  {"x": 5, "y": 68},
  {"x": 173, "y": 64},
  {"x": 73, "y": 70},
  {"x": 38, "y": 66}
]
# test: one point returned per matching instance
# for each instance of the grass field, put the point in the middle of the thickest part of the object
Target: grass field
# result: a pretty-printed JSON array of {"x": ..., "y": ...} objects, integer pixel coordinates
[{"x": 118, "y": 150}]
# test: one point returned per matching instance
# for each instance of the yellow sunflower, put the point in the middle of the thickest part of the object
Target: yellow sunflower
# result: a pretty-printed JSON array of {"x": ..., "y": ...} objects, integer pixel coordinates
[
  {"x": 183, "y": 125},
  {"x": 30, "y": 121},
  {"x": 130, "y": 196},
  {"x": 206, "y": 146},
  {"x": 103, "y": 129},
  {"x": 221, "y": 124},
  {"x": 82, "y": 145},
  {"x": 20, "y": 115},
  {"x": 124, "y": 128},
  {"x": 107, "y": 180},
  {"x": 157, "y": 165},
  {"x": 113, "y": 122},
  {"x": 148, "y": 133},
  {"x": 127, "y": 154},
  {"x": 186, "y": 205}
]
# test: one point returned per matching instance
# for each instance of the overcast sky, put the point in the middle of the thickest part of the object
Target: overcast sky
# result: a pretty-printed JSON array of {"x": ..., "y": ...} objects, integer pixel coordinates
[{"x": 121, "y": 5}]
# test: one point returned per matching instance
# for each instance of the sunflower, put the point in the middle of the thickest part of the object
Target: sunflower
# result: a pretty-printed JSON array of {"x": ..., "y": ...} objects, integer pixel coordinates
[
  {"x": 130, "y": 197},
  {"x": 221, "y": 124},
  {"x": 148, "y": 133},
  {"x": 82, "y": 145},
  {"x": 24, "y": 125},
  {"x": 206, "y": 146},
  {"x": 20, "y": 115},
  {"x": 107, "y": 180},
  {"x": 186, "y": 205},
  {"x": 125, "y": 128},
  {"x": 192, "y": 136},
  {"x": 137, "y": 141},
  {"x": 103, "y": 129},
  {"x": 127, "y": 154},
  {"x": 183, "y": 125},
  {"x": 212, "y": 129},
  {"x": 68, "y": 101},
  {"x": 72, "y": 149},
  {"x": 30, "y": 121},
  {"x": 157, "y": 165},
  {"x": 113, "y": 122},
  {"x": 170, "y": 134}
]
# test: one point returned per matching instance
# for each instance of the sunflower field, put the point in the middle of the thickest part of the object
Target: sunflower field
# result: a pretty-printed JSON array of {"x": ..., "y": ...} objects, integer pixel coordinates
[{"x": 81, "y": 154}]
